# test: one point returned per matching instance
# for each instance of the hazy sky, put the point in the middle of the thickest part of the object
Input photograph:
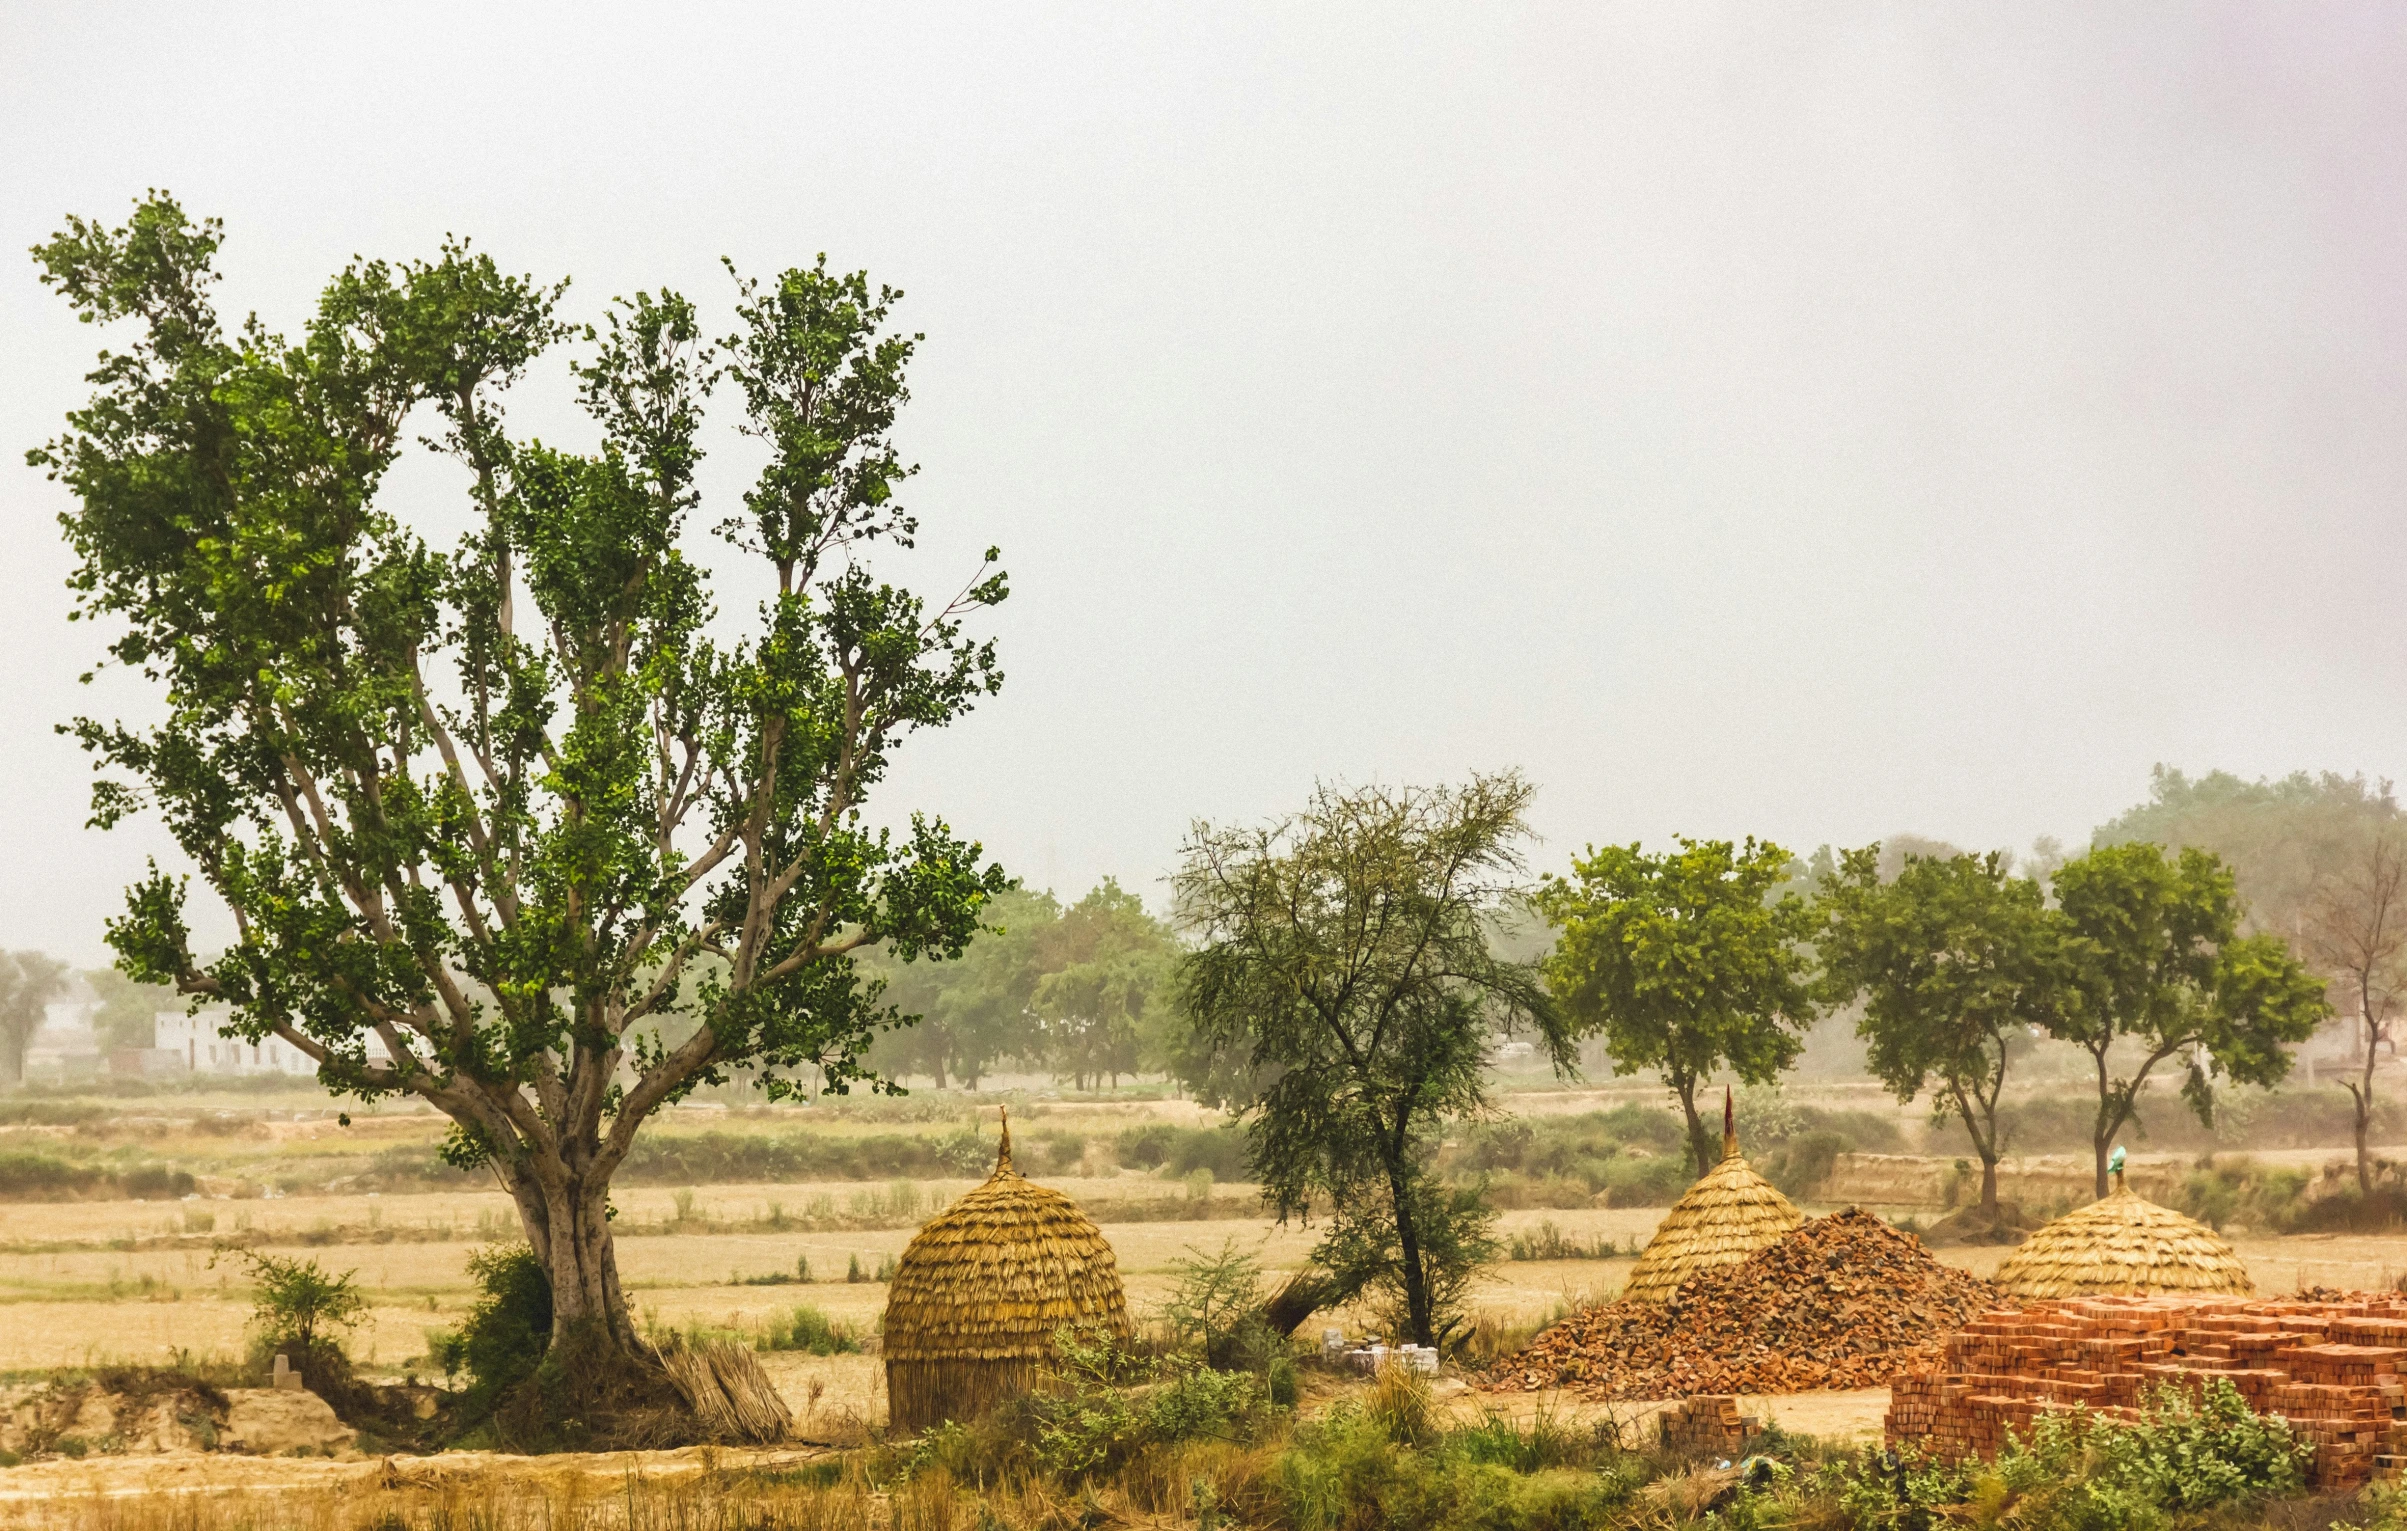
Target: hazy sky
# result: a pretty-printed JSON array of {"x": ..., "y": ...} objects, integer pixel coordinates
[{"x": 1808, "y": 421}]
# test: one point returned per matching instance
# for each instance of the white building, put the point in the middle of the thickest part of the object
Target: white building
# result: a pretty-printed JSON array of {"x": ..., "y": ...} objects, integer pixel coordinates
[{"x": 207, "y": 1050}]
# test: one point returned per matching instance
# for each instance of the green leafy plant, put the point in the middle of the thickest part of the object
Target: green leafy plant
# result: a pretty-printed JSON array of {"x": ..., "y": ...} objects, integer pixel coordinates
[
  {"x": 805, "y": 1328},
  {"x": 298, "y": 1308}
]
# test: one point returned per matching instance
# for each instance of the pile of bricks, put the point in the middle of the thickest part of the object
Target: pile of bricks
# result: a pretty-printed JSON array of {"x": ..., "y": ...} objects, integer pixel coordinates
[
  {"x": 2331, "y": 1367},
  {"x": 1709, "y": 1422}
]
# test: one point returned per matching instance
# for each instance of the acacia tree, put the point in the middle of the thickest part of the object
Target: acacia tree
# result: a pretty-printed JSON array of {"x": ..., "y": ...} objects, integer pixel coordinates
[
  {"x": 29, "y": 981},
  {"x": 2356, "y": 929},
  {"x": 1687, "y": 962},
  {"x": 2153, "y": 960},
  {"x": 1953, "y": 960},
  {"x": 491, "y": 819},
  {"x": 1345, "y": 955}
]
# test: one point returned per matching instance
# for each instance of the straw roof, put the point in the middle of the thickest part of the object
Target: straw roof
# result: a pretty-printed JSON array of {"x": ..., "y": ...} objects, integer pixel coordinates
[
  {"x": 1725, "y": 1217},
  {"x": 982, "y": 1290},
  {"x": 2124, "y": 1243}
]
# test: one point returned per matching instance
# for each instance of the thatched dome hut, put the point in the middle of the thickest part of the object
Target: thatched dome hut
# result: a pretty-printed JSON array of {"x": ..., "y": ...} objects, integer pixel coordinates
[
  {"x": 981, "y": 1291},
  {"x": 2125, "y": 1243},
  {"x": 1725, "y": 1217}
]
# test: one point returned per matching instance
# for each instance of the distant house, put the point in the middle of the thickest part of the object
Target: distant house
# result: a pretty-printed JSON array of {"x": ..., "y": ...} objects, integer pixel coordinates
[{"x": 205, "y": 1047}]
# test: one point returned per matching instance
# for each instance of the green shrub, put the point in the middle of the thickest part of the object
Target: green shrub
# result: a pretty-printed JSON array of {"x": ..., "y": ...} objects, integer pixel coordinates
[
  {"x": 153, "y": 1182},
  {"x": 806, "y": 1328},
  {"x": 2247, "y": 1193},
  {"x": 1547, "y": 1242},
  {"x": 503, "y": 1340},
  {"x": 29, "y": 1176}
]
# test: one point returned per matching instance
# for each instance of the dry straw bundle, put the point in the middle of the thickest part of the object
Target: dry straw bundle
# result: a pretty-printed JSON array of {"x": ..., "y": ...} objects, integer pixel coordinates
[
  {"x": 2125, "y": 1243},
  {"x": 1725, "y": 1217},
  {"x": 982, "y": 1290}
]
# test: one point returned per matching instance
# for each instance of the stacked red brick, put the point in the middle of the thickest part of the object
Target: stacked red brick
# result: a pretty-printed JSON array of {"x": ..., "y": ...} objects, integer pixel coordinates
[
  {"x": 2332, "y": 1368},
  {"x": 1708, "y": 1422}
]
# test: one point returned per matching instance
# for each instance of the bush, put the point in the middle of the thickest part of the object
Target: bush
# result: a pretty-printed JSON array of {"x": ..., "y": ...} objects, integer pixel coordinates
[
  {"x": 29, "y": 1176},
  {"x": 2247, "y": 1193},
  {"x": 502, "y": 1341},
  {"x": 806, "y": 1328},
  {"x": 2076, "y": 1472},
  {"x": 1107, "y": 1403}
]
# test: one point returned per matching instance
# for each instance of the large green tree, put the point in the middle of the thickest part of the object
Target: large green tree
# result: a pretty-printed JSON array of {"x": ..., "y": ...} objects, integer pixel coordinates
[
  {"x": 2155, "y": 968},
  {"x": 1109, "y": 967},
  {"x": 1688, "y": 962},
  {"x": 2282, "y": 837},
  {"x": 1345, "y": 955},
  {"x": 974, "y": 1010},
  {"x": 484, "y": 814},
  {"x": 1955, "y": 960}
]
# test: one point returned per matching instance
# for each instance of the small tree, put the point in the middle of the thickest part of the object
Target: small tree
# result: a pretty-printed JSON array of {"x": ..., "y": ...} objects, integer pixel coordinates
[
  {"x": 29, "y": 981},
  {"x": 1345, "y": 954},
  {"x": 298, "y": 1307},
  {"x": 1954, "y": 962},
  {"x": 2153, "y": 960},
  {"x": 2356, "y": 931},
  {"x": 1687, "y": 962}
]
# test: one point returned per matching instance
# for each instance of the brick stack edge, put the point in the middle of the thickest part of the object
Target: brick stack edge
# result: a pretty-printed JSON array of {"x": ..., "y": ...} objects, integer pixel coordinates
[
  {"x": 2330, "y": 1368},
  {"x": 1707, "y": 1422}
]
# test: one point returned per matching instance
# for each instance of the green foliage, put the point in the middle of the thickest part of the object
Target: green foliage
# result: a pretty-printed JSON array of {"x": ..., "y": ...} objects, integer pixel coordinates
[
  {"x": 1955, "y": 961},
  {"x": 1548, "y": 1242},
  {"x": 805, "y": 1328},
  {"x": 573, "y": 862},
  {"x": 2268, "y": 1198},
  {"x": 1105, "y": 1403},
  {"x": 1345, "y": 961},
  {"x": 298, "y": 1308},
  {"x": 2282, "y": 838},
  {"x": 1214, "y": 1297},
  {"x": 506, "y": 1334},
  {"x": 1380, "y": 1460},
  {"x": 2152, "y": 956},
  {"x": 1688, "y": 963}
]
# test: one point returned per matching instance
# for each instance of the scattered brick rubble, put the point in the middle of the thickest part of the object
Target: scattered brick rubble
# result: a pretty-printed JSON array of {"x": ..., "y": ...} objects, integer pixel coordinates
[
  {"x": 1845, "y": 1301},
  {"x": 2327, "y": 1361}
]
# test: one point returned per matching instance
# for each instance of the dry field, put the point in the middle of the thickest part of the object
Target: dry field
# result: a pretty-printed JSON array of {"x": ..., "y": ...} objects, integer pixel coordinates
[{"x": 67, "y": 1298}]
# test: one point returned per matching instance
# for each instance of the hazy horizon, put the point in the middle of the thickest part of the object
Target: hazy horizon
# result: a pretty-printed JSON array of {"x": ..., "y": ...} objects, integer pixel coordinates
[{"x": 1800, "y": 422}]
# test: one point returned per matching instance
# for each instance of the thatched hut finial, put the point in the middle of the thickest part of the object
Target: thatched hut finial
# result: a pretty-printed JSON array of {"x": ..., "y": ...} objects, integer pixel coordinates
[
  {"x": 982, "y": 1290},
  {"x": 1729, "y": 1127}
]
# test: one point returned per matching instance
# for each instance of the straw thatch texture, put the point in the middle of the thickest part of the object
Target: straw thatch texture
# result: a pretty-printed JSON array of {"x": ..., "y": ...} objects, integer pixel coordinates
[
  {"x": 981, "y": 1291},
  {"x": 1725, "y": 1217},
  {"x": 2125, "y": 1243},
  {"x": 729, "y": 1392}
]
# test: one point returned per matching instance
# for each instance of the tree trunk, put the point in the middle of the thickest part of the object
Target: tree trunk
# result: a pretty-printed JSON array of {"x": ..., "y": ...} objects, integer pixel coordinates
[
  {"x": 1408, "y": 1249},
  {"x": 568, "y": 1225},
  {"x": 2102, "y": 1142},
  {"x": 2364, "y": 1104},
  {"x": 1989, "y": 1186},
  {"x": 1700, "y": 1147}
]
